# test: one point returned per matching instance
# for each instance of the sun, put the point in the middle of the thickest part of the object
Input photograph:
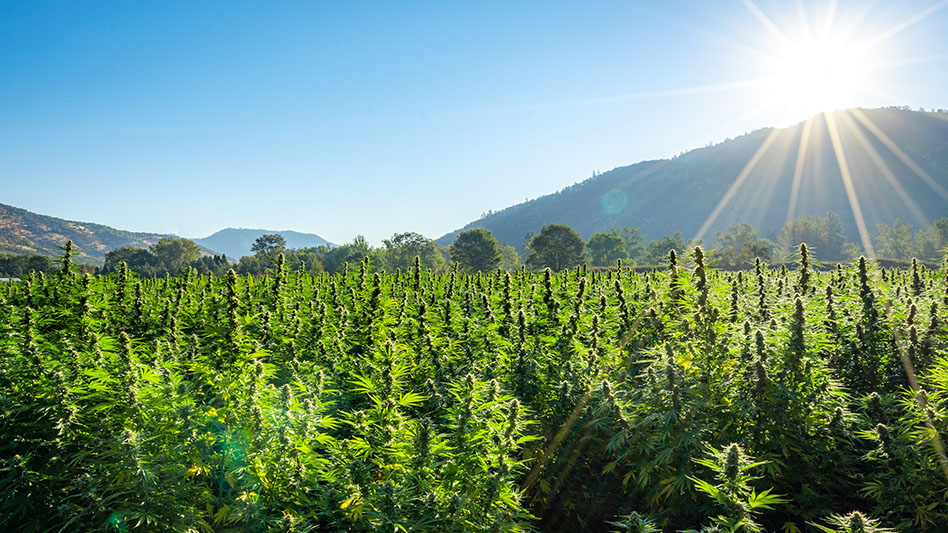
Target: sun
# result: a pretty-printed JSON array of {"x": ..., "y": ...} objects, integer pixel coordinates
[
  {"x": 810, "y": 76},
  {"x": 823, "y": 59},
  {"x": 819, "y": 70}
]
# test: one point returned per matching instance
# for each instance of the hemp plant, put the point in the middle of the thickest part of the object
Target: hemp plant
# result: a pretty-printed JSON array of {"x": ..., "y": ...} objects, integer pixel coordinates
[{"x": 738, "y": 503}]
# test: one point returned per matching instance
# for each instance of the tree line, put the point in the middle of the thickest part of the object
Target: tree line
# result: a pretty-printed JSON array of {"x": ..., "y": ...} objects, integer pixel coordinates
[
  {"x": 556, "y": 246},
  {"x": 21, "y": 265}
]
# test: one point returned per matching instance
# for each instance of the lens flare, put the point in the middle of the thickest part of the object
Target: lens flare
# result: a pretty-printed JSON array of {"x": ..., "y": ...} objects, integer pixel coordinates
[{"x": 614, "y": 202}]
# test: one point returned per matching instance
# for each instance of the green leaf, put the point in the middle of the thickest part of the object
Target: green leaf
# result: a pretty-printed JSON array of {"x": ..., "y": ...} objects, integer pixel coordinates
[
  {"x": 411, "y": 399},
  {"x": 764, "y": 499},
  {"x": 706, "y": 487}
]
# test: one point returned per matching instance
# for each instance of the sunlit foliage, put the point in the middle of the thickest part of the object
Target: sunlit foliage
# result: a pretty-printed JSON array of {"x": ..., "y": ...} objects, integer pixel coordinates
[{"x": 686, "y": 398}]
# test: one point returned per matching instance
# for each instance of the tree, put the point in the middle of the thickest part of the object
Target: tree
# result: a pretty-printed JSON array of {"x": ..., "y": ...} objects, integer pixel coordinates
[
  {"x": 556, "y": 247},
  {"x": 354, "y": 252},
  {"x": 308, "y": 258},
  {"x": 740, "y": 246},
  {"x": 657, "y": 252},
  {"x": 635, "y": 242},
  {"x": 851, "y": 251},
  {"x": 808, "y": 229},
  {"x": 138, "y": 260},
  {"x": 823, "y": 236},
  {"x": 895, "y": 241},
  {"x": 18, "y": 266},
  {"x": 172, "y": 254},
  {"x": 212, "y": 264},
  {"x": 940, "y": 232},
  {"x": 400, "y": 252},
  {"x": 606, "y": 248},
  {"x": 252, "y": 264},
  {"x": 269, "y": 245},
  {"x": 926, "y": 243},
  {"x": 762, "y": 249},
  {"x": 736, "y": 236},
  {"x": 833, "y": 237},
  {"x": 510, "y": 259},
  {"x": 476, "y": 250},
  {"x": 899, "y": 242}
]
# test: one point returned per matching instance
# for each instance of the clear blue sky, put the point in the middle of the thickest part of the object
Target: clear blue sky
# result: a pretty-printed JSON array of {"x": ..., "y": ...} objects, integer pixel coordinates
[{"x": 347, "y": 118}]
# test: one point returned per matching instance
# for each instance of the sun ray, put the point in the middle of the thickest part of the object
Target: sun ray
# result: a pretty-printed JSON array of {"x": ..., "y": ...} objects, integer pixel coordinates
[
  {"x": 884, "y": 169},
  {"x": 741, "y": 177},
  {"x": 617, "y": 98},
  {"x": 744, "y": 48},
  {"x": 723, "y": 129},
  {"x": 798, "y": 168},
  {"x": 880, "y": 95},
  {"x": 900, "y": 27},
  {"x": 679, "y": 91},
  {"x": 830, "y": 17},
  {"x": 765, "y": 20},
  {"x": 802, "y": 17},
  {"x": 899, "y": 153},
  {"x": 864, "y": 235},
  {"x": 853, "y": 22},
  {"x": 906, "y": 62}
]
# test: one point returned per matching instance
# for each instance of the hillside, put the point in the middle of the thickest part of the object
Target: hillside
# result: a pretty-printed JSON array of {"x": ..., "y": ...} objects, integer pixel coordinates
[
  {"x": 903, "y": 176},
  {"x": 25, "y": 232},
  {"x": 236, "y": 242}
]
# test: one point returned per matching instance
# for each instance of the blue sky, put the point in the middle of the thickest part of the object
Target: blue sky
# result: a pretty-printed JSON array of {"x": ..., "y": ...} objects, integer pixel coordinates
[{"x": 350, "y": 118}]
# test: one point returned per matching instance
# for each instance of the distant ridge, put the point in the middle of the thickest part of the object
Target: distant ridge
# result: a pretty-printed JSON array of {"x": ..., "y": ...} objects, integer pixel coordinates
[
  {"x": 663, "y": 197},
  {"x": 236, "y": 242},
  {"x": 25, "y": 232}
]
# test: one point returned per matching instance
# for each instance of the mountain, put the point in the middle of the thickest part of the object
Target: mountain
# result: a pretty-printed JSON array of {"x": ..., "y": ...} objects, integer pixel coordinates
[
  {"x": 236, "y": 242},
  {"x": 897, "y": 162},
  {"x": 24, "y": 232}
]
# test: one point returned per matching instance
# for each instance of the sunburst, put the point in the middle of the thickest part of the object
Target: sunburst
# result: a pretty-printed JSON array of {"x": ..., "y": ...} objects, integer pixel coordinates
[{"x": 813, "y": 67}]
